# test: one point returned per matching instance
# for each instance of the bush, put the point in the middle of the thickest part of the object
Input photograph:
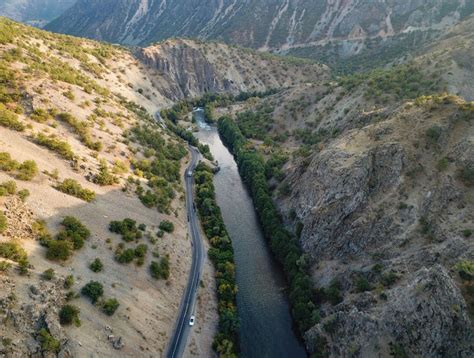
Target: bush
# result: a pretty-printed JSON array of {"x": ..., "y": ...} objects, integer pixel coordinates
[
  {"x": 10, "y": 119},
  {"x": 160, "y": 270},
  {"x": 11, "y": 250},
  {"x": 434, "y": 133},
  {"x": 27, "y": 170},
  {"x": 7, "y": 164},
  {"x": 69, "y": 282},
  {"x": 56, "y": 145},
  {"x": 466, "y": 269},
  {"x": 58, "y": 250},
  {"x": 105, "y": 177},
  {"x": 94, "y": 290},
  {"x": 48, "y": 342},
  {"x": 467, "y": 233},
  {"x": 96, "y": 265},
  {"x": 8, "y": 187},
  {"x": 23, "y": 194},
  {"x": 73, "y": 188},
  {"x": 48, "y": 275},
  {"x": 124, "y": 256},
  {"x": 110, "y": 306},
  {"x": 466, "y": 174},
  {"x": 167, "y": 226},
  {"x": 363, "y": 285},
  {"x": 68, "y": 315},
  {"x": 3, "y": 223},
  {"x": 127, "y": 228}
]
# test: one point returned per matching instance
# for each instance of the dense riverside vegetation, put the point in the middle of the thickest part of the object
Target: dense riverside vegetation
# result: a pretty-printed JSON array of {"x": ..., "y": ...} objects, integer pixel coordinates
[
  {"x": 222, "y": 255},
  {"x": 284, "y": 246}
]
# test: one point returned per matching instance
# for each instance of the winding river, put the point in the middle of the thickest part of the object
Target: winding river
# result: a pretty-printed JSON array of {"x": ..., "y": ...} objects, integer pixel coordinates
[{"x": 266, "y": 324}]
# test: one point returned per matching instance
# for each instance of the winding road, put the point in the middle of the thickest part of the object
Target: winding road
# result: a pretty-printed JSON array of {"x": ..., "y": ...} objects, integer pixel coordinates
[{"x": 181, "y": 331}]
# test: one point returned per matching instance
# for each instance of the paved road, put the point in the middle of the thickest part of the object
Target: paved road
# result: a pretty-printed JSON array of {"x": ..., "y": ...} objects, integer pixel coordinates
[{"x": 179, "y": 338}]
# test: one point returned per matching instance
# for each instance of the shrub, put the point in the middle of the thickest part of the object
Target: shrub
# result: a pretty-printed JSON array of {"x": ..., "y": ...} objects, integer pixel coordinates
[
  {"x": 141, "y": 250},
  {"x": 160, "y": 270},
  {"x": 10, "y": 119},
  {"x": 167, "y": 226},
  {"x": 5, "y": 266},
  {"x": 69, "y": 282},
  {"x": 96, "y": 265},
  {"x": 7, "y": 164},
  {"x": 68, "y": 315},
  {"x": 124, "y": 256},
  {"x": 465, "y": 269},
  {"x": 58, "y": 250},
  {"x": 466, "y": 174},
  {"x": 11, "y": 250},
  {"x": 94, "y": 290},
  {"x": 73, "y": 188},
  {"x": 333, "y": 292},
  {"x": 27, "y": 170},
  {"x": 105, "y": 177},
  {"x": 110, "y": 306},
  {"x": 434, "y": 133},
  {"x": 8, "y": 187},
  {"x": 23, "y": 194},
  {"x": 467, "y": 233},
  {"x": 40, "y": 231},
  {"x": 363, "y": 285},
  {"x": 48, "y": 275},
  {"x": 127, "y": 228},
  {"x": 48, "y": 342},
  {"x": 56, "y": 145}
]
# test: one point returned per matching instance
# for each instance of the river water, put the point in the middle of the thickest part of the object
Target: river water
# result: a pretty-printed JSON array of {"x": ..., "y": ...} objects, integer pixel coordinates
[{"x": 266, "y": 325}]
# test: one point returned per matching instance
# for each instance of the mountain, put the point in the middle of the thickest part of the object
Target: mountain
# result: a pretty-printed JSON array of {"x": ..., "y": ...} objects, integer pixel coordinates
[
  {"x": 325, "y": 30},
  {"x": 373, "y": 173},
  {"x": 80, "y": 152},
  {"x": 35, "y": 12}
]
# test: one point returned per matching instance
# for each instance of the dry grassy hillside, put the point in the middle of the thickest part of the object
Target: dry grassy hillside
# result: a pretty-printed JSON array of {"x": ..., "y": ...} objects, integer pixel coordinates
[{"x": 71, "y": 146}]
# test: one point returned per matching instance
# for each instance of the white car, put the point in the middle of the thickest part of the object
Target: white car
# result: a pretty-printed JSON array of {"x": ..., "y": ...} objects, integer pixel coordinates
[
  {"x": 190, "y": 173},
  {"x": 192, "y": 320}
]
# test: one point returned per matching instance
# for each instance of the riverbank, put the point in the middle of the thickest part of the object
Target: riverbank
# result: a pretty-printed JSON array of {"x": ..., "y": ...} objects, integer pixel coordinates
[{"x": 284, "y": 246}]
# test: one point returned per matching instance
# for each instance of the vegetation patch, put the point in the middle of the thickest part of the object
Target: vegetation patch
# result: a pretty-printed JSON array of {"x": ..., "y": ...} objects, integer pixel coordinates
[
  {"x": 71, "y": 238},
  {"x": 221, "y": 254},
  {"x": 73, "y": 188},
  {"x": 53, "y": 143},
  {"x": 127, "y": 228},
  {"x": 93, "y": 290}
]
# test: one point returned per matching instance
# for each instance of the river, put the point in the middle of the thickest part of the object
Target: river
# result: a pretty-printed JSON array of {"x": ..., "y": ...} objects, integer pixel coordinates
[{"x": 266, "y": 325}]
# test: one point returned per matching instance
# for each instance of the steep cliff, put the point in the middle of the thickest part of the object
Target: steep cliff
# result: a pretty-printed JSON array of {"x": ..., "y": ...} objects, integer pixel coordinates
[{"x": 187, "y": 68}]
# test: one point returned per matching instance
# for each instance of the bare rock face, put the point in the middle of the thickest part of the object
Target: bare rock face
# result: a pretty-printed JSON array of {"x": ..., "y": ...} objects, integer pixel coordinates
[
  {"x": 186, "y": 68},
  {"x": 384, "y": 210},
  {"x": 371, "y": 327},
  {"x": 342, "y": 185}
]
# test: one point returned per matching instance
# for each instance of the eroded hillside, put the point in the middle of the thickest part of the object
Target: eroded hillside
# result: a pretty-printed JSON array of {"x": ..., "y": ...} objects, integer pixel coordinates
[{"x": 76, "y": 154}]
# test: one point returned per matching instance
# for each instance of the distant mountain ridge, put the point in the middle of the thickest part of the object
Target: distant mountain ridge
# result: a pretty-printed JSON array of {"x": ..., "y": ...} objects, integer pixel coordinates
[
  {"x": 36, "y": 12},
  {"x": 306, "y": 28}
]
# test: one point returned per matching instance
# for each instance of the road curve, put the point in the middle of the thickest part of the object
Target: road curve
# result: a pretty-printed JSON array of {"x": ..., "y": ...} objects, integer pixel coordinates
[{"x": 181, "y": 330}]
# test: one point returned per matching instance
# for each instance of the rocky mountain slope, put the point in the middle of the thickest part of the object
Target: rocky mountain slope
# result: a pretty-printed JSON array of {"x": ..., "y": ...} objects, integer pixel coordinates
[
  {"x": 325, "y": 30},
  {"x": 374, "y": 174},
  {"x": 34, "y": 12}
]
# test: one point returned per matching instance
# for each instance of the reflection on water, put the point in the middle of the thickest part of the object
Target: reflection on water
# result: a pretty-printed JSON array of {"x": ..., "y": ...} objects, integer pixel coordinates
[{"x": 266, "y": 325}]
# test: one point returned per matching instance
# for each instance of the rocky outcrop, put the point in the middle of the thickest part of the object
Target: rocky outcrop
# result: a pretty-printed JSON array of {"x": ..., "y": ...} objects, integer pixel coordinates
[
  {"x": 387, "y": 217},
  {"x": 424, "y": 317},
  {"x": 187, "y": 68}
]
